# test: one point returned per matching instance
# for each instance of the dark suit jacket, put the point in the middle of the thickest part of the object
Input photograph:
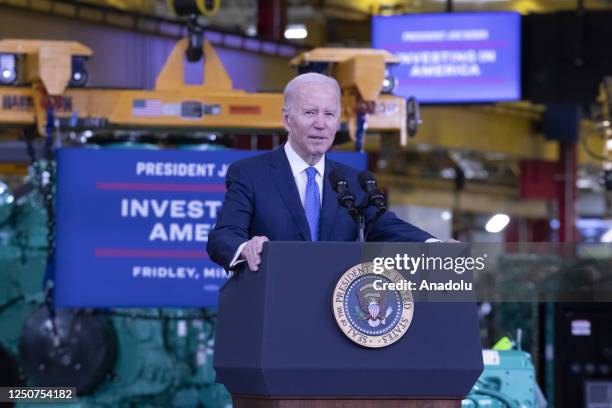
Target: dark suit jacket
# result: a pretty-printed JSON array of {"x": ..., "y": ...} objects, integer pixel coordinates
[{"x": 262, "y": 199}]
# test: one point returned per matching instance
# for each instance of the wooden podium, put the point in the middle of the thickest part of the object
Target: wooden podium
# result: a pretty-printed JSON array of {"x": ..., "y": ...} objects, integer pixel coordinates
[{"x": 278, "y": 345}]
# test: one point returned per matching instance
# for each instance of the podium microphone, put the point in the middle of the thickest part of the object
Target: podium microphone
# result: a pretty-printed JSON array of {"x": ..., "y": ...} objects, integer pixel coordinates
[
  {"x": 374, "y": 196},
  {"x": 340, "y": 186}
]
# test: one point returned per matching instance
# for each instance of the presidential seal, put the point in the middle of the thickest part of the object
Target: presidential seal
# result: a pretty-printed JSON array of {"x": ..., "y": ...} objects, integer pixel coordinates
[{"x": 367, "y": 312}]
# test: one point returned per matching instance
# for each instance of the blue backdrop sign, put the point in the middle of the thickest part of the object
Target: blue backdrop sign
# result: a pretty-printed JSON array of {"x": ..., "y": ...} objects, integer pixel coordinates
[
  {"x": 132, "y": 225},
  {"x": 453, "y": 57}
]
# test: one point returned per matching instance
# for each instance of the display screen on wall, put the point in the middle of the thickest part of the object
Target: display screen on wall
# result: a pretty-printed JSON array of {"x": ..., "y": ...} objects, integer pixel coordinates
[{"x": 453, "y": 57}]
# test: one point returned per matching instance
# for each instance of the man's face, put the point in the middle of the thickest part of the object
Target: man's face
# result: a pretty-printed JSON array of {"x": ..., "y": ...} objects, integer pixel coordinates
[{"x": 313, "y": 120}]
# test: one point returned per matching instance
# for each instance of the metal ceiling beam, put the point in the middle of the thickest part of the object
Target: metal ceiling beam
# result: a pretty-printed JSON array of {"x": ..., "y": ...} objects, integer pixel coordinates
[
  {"x": 422, "y": 6},
  {"x": 154, "y": 25}
]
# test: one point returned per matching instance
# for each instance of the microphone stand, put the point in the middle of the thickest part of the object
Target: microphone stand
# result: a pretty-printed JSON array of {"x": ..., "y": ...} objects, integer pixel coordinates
[
  {"x": 361, "y": 225},
  {"x": 360, "y": 219},
  {"x": 357, "y": 213}
]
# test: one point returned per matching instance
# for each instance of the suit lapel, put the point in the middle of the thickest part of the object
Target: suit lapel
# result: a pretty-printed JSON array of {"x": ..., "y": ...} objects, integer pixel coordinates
[
  {"x": 283, "y": 181},
  {"x": 330, "y": 204}
]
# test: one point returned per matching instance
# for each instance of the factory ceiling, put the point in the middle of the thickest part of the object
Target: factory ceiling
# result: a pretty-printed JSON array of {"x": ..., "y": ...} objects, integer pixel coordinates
[{"x": 242, "y": 14}]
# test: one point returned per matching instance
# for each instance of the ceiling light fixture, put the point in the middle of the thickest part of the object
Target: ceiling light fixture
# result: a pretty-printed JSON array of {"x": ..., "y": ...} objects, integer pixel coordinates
[
  {"x": 296, "y": 32},
  {"x": 497, "y": 223}
]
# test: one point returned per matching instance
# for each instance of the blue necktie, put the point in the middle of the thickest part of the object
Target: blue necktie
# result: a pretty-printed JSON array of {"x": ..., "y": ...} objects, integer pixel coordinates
[{"x": 312, "y": 204}]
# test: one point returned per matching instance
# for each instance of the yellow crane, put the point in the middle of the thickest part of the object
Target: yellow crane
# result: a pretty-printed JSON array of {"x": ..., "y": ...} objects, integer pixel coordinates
[{"x": 43, "y": 76}]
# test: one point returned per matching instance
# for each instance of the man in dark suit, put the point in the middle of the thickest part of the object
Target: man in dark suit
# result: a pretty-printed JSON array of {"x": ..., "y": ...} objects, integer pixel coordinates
[{"x": 286, "y": 195}]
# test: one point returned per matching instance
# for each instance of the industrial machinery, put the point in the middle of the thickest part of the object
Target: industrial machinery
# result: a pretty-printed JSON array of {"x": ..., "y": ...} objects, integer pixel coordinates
[
  {"x": 508, "y": 380},
  {"x": 116, "y": 358},
  {"x": 581, "y": 375},
  {"x": 45, "y": 74},
  {"x": 557, "y": 295}
]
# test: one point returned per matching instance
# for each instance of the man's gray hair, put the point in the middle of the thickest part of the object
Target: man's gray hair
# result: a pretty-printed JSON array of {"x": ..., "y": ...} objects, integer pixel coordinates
[{"x": 310, "y": 77}]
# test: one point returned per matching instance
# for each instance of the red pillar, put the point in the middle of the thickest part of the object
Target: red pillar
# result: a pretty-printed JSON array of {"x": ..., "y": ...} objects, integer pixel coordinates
[
  {"x": 566, "y": 197},
  {"x": 271, "y": 18}
]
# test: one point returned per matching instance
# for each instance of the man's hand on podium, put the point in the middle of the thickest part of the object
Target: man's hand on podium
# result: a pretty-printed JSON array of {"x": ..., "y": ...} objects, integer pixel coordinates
[{"x": 252, "y": 250}]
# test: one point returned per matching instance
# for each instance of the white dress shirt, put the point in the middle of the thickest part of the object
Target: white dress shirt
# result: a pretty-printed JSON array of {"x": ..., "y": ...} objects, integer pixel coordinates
[{"x": 298, "y": 168}]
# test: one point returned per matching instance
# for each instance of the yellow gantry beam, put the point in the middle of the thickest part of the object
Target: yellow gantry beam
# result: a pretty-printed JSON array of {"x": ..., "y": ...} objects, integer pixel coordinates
[{"x": 484, "y": 129}]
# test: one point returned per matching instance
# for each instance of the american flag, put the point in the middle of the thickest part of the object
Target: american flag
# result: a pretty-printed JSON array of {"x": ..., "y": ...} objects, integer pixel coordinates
[{"x": 146, "y": 107}]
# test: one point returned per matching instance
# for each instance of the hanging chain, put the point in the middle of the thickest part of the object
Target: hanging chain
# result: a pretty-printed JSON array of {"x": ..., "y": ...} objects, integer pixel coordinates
[
  {"x": 45, "y": 178},
  {"x": 48, "y": 192}
]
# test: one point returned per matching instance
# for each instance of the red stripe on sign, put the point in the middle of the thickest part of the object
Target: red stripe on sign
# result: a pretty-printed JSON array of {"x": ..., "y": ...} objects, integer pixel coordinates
[
  {"x": 149, "y": 253},
  {"x": 208, "y": 188},
  {"x": 245, "y": 110}
]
